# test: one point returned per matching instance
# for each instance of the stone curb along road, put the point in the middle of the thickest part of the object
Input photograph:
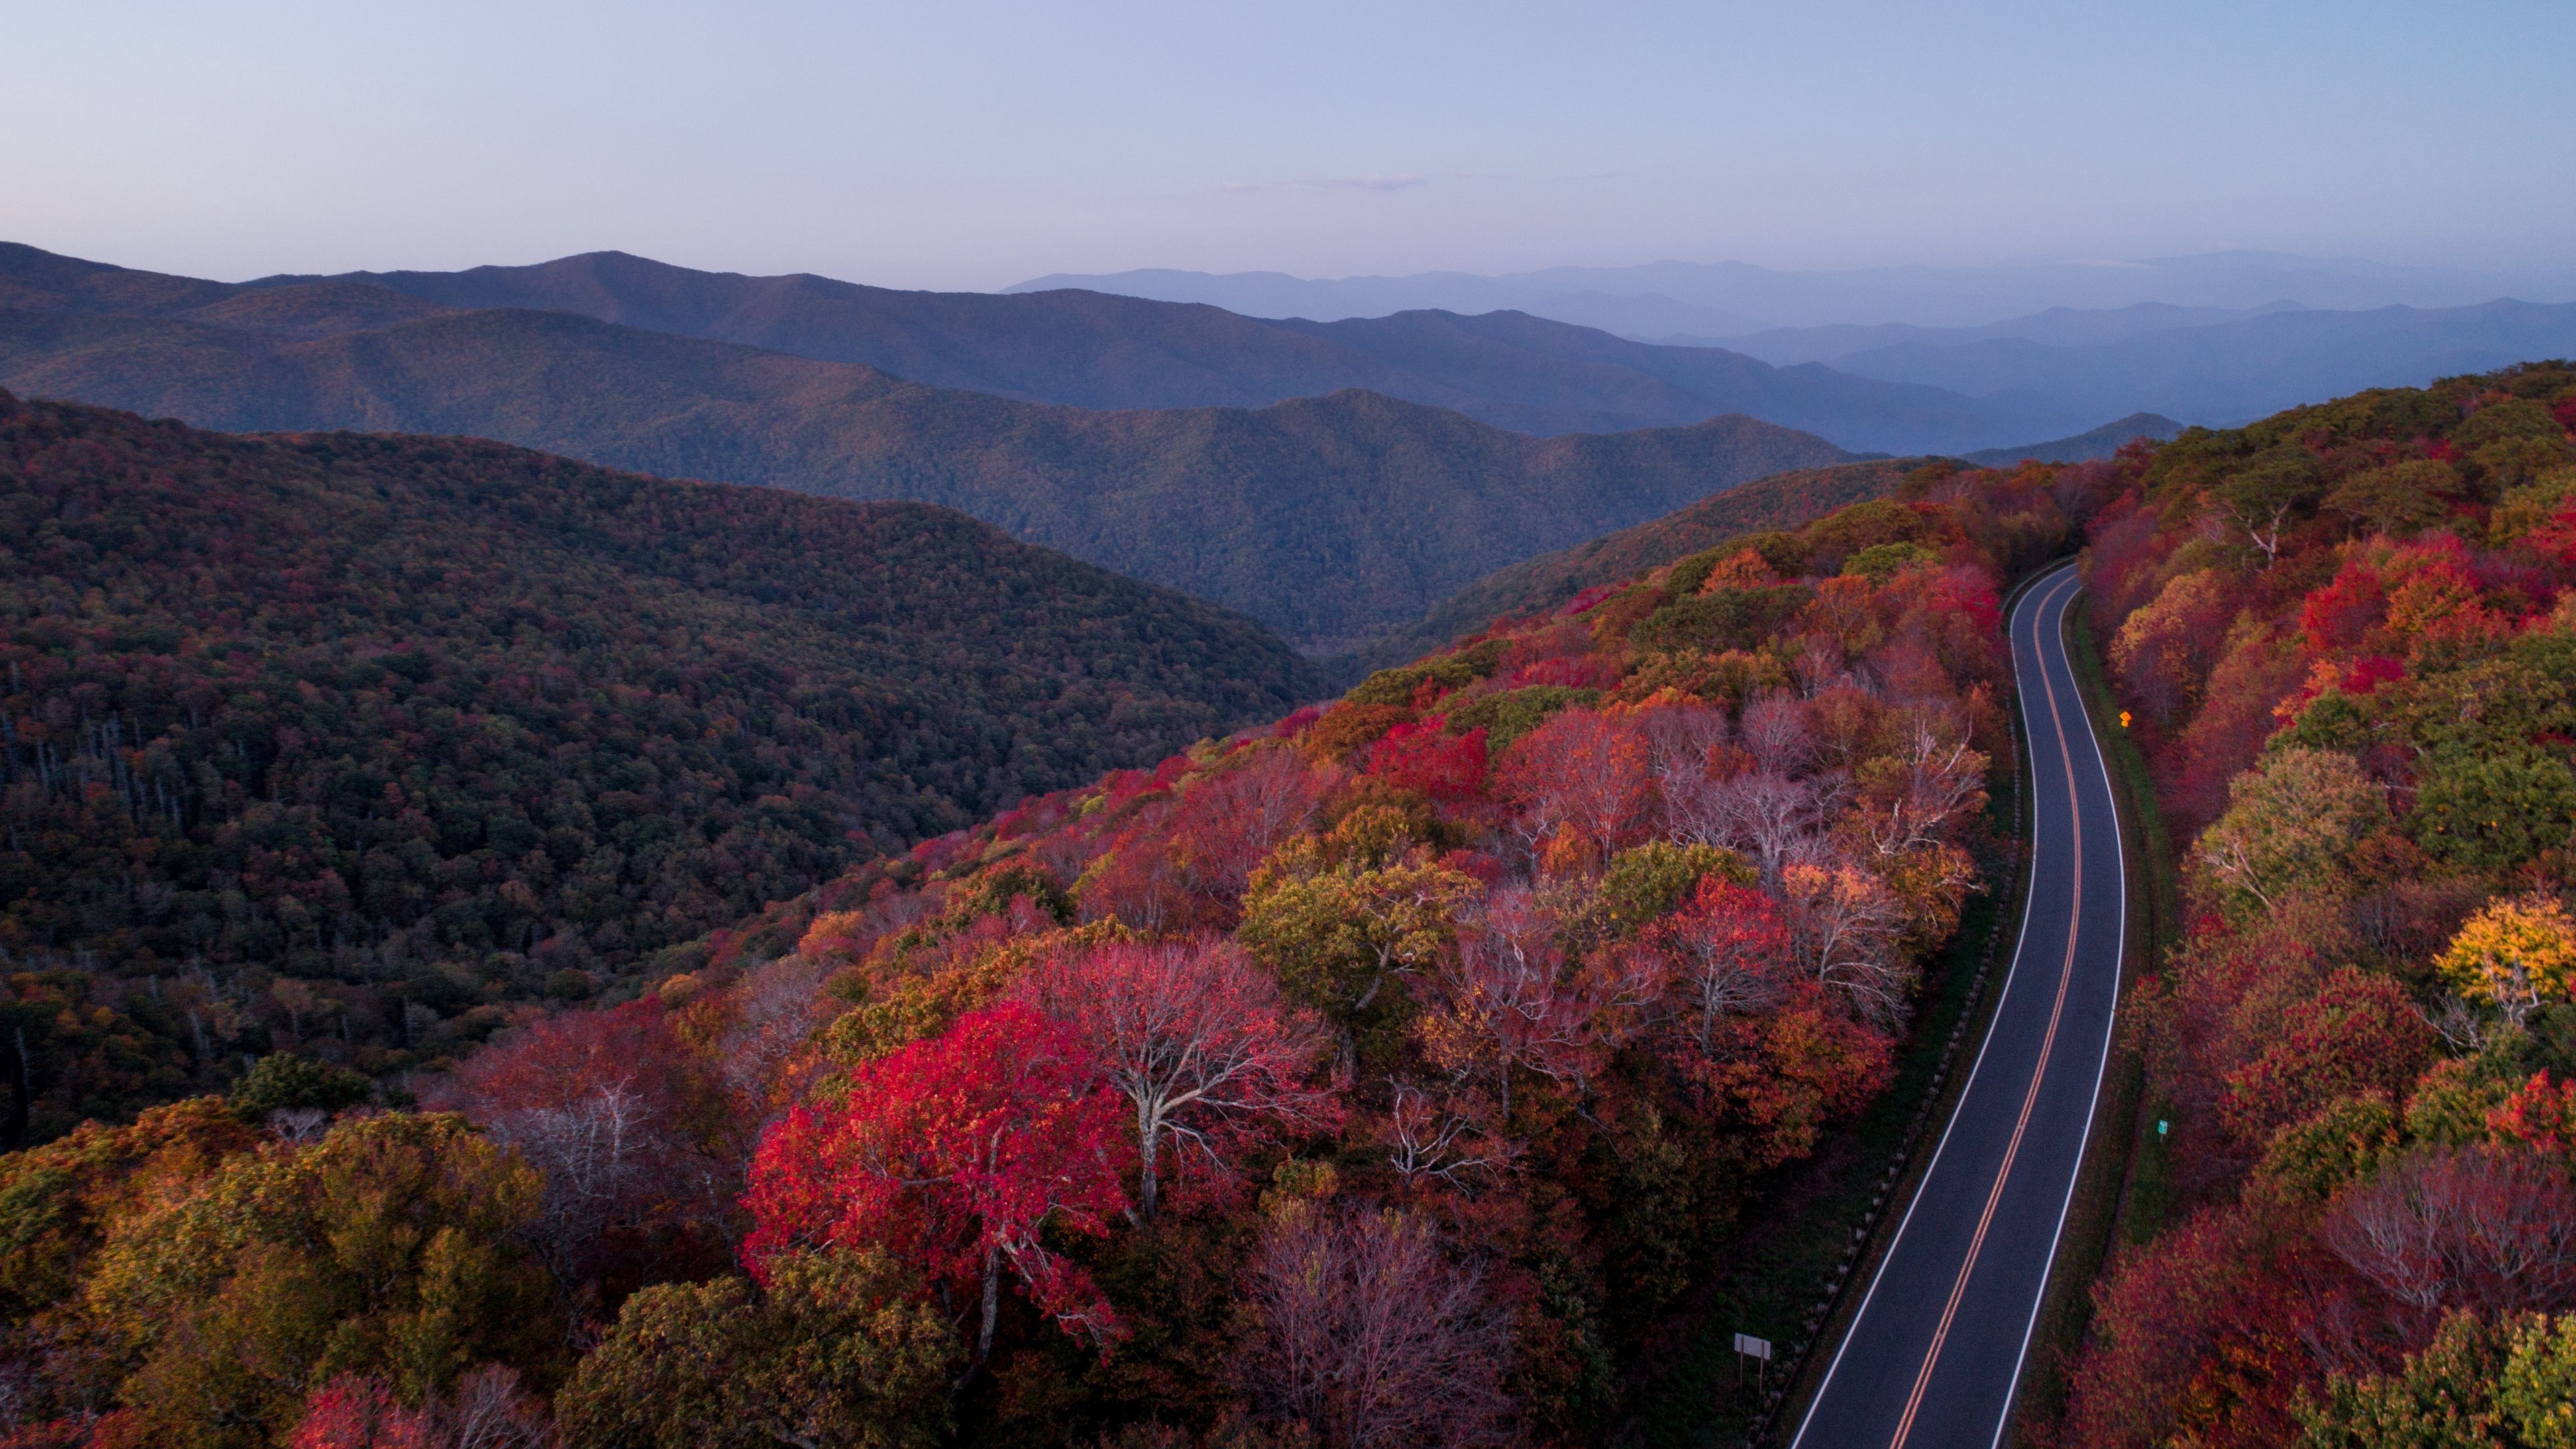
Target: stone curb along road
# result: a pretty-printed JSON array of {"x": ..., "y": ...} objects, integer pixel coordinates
[{"x": 1941, "y": 1338}]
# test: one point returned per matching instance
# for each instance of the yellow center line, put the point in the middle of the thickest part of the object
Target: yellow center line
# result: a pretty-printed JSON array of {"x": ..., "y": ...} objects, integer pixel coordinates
[{"x": 2039, "y": 1072}]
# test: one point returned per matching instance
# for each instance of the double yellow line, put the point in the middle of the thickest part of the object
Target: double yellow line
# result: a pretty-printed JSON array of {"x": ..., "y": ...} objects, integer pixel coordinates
[{"x": 2039, "y": 1071}]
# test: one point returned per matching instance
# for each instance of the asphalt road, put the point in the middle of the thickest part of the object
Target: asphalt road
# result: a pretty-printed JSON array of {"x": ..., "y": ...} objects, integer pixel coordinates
[{"x": 1938, "y": 1345}]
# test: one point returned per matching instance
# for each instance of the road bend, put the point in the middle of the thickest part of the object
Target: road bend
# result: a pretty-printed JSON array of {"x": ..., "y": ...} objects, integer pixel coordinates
[{"x": 1944, "y": 1329}]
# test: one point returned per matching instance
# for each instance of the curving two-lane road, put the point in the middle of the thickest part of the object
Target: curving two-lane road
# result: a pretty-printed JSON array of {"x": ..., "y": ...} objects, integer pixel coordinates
[{"x": 1937, "y": 1347}]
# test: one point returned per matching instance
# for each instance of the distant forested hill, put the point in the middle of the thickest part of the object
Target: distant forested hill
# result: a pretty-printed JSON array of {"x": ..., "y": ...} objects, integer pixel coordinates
[
  {"x": 1334, "y": 519},
  {"x": 1783, "y": 501},
  {"x": 448, "y": 718}
]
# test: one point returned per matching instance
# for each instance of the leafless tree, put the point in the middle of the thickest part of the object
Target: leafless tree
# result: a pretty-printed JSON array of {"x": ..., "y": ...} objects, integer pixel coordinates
[
  {"x": 1776, "y": 730},
  {"x": 1679, "y": 739},
  {"x": 2460, "y": 1228},
  {"x": 1196, "y": 1038},
  {"x": 1774, "y": 819},
  {"x": 1371, "y": 1337},
  {"x": 1942, "y": 777},
  {"x": 489, "y": 1411},
  {"x": 1847, "y": 928},
  {"x": 1818, "y": 663},
  {"x": 1505, "y": 1000},
  {"x": 778, "y": 1007},
  {"x": 1447, "y": 1141},
  {"x": 607, "y": 1159}
]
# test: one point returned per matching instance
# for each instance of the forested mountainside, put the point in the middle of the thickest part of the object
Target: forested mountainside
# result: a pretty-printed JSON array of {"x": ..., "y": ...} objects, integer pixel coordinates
[
  {"x": 2101, "y": 442},
  {"x": 368, "y": 738},
  {"x": 1333, "y": 519},
  {"x": 2347, "y": 638},
  {"x": 1092, "y": 349},
  {"x": 1390, "y": 1074},
  {"x": 1782, "y": 502}
]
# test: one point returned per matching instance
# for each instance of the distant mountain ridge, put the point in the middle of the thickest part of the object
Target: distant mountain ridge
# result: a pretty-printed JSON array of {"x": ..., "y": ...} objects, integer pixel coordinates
[
  {"x": 1725, "y": 299},
  {"x": 1332, "y": 519},
  {"x": 2237, "y": 370},
  {"x": 1097, "y": 350},
  {"x": 2054, "y": 327},
  {"x": 2237, "y": 336}
]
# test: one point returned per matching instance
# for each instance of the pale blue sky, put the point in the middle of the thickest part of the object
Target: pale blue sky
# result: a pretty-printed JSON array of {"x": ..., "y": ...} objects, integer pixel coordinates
[{"x": 975, "y": 144}]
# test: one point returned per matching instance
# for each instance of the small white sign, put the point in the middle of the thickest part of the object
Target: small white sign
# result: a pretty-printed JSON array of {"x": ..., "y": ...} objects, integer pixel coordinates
[{"x": 1752, "y": 1347}]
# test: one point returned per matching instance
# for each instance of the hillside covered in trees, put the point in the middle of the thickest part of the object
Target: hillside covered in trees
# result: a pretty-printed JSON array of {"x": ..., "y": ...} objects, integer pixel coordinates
[
  {"x": 345, "y": 744},
  {"x": 1784, "y": 501},
  {"x": 1386, "y": 1075},
  {"x": 1334, "y": 519},
  {"x": 2347, "y": 637}
]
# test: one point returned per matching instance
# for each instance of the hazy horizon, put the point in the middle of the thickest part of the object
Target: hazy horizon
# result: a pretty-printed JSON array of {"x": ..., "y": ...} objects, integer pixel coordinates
[{"x": 940, "y": 148}]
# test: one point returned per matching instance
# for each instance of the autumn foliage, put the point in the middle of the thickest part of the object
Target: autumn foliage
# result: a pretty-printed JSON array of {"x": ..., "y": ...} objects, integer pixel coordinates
[
  {"x": 2348, "y": 634},
  {"x": 1390, "y": 1075}
]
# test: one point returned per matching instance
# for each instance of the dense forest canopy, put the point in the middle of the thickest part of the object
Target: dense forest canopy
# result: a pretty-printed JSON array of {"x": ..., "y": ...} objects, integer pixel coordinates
[
  {"x": 1386, "y": 1075},
  {"x": 2347, "y": 637},
  {"x": 1783, "y": 501},
  {"x": 346, "y": 743}
]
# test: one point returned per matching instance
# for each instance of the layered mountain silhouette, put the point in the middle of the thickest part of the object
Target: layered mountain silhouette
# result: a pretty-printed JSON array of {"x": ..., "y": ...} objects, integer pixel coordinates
[
  {"x": 1096, "y": 350},
  {"x": 2231, "y": 371},
  {"x": 2210, "y": 340},
  {"x": 1731, "y": 299},
  {"x": 1334, "y": 519}
]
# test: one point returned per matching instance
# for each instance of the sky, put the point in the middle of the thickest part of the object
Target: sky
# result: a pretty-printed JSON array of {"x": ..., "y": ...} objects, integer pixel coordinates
[{"x": 975, "y": 143}]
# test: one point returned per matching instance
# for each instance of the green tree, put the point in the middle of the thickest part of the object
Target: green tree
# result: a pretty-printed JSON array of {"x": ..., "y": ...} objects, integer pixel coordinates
[
  {"x": 2290, "y": 828},
  {"x": 58, "y": 1201},
  {"x": 279, "y": 1082},
  {"x": 2494, "y": 811},
  {"x": 2537, "y": 1390},
  {"x": 387, "y": 1248},
  {"x": 2444, "y": 1398},
  {"x": 2400, "y": 499},
  {"x": 1646, "y": 882},
  {"x": 2309, "y": 1160},
  {"x": 1338, "y": 934},
  {"x": 840, "y": 1352},
  {"x": 2261, "y": 498}
]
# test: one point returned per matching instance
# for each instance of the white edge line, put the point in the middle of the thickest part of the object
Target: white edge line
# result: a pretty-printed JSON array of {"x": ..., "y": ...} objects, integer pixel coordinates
[
  {"x": 2110, "y": 1024},
  {"x": 2012, "y": 973}
]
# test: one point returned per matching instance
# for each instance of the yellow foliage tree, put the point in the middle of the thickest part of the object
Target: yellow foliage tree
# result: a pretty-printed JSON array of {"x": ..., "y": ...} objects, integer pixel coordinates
[{"x": 2514, "y": 954}]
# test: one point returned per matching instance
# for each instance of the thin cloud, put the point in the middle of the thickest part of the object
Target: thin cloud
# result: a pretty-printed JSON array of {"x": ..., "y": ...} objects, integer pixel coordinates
[{"x": 1336, "y": 183}]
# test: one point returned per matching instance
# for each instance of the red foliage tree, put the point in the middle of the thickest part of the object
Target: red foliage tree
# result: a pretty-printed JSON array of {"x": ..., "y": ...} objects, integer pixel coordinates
[
  {"x": 1234, "y": 816},
  {"x": 1725, "y": 953},
  {"x": 2359, "y": 1033},
  {"x": 2159, "y": 1319},
  {"x": 957, "y": 1153},
  {"x": 354, "y": 1412},
  {"x": 1448, "y": 769},
  {"x": 488, "y": 1411},
  {"x": 628, "y": 1125},
  {"x": 1186, "y": 861},
  {"x": 2460, "y": 1229},
  {"x": 2346, "y": 611},
  {"x": 2540, "y": 1112},
  {"x": 1195, "y": 1037},
  {"x": 1580, "y": 771}
]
